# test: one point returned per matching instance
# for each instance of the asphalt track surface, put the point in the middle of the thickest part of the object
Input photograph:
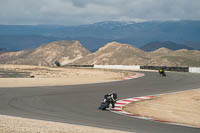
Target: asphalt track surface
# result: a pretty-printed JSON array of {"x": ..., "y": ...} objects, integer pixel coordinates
[{"x": 77, "y": 104}]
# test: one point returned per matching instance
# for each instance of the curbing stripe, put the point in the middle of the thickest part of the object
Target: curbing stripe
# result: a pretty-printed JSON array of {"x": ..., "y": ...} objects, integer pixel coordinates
[
  {"x": 127, "y": 100},
  {"x": 137, "y": 75},
  {"x": 122, "y": 103}
]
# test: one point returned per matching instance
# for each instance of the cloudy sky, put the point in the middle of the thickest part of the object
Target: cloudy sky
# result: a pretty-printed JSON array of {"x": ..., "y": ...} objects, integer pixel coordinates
[{"x": 75, "y": 12}]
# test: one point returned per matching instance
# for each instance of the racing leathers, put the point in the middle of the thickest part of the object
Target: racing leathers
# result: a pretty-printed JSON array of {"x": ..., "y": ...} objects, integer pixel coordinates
[{"x": 111, "y": 99}]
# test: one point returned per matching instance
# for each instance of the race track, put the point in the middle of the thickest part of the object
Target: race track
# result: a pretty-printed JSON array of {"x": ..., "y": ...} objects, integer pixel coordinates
[{"x": 78, "y": 104}]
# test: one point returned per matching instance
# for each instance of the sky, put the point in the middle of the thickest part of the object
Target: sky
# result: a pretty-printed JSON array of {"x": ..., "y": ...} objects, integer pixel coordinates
[{"x": 79, "y": 12}]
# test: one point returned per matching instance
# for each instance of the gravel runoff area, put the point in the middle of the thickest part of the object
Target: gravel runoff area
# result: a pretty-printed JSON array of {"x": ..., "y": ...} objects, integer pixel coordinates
[
  {"x": 46, "y": 76},
  {"x": 181, "y": 108},
  {"x": 55, "y": 76},
  {"x": 10, "y": 124}
]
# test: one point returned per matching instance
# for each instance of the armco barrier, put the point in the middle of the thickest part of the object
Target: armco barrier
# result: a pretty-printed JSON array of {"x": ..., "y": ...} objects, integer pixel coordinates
[
  {"x": 177, "y": 69},
  {"x": 123, "y": 67},
  {"x": 78, "y": 66},
  {"x": 194, "y": 69},
  {"x": 137, "y": 67}
]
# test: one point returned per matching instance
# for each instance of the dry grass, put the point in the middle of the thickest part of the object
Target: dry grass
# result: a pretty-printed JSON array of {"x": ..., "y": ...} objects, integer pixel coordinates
[{"x": 182, "y": 108}]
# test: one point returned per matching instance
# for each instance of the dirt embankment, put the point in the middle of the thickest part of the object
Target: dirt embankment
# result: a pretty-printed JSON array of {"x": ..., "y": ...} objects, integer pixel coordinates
[
  {"x": 49, "y": 76},
  {"x": 181, "y": 108}
]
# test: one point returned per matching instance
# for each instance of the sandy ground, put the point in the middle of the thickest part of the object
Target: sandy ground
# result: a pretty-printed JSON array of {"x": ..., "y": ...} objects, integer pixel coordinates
[
  {"x": 181, "y": 108},
  {"x": 46, "y": 76},
  {"x": 10, "y": 124}
]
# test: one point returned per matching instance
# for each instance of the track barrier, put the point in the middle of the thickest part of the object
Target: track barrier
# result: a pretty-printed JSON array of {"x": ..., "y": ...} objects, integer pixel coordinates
[
  {"x": 177, "y": 69},
  {"x": 137, "y": 67},
  {"x": 90, "y": 66},
  {"x": 194, "y": 69},
  {"x": 123, "y": 67}
]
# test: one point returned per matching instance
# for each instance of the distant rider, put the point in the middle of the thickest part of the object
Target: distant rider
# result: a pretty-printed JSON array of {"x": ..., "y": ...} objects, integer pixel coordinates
[{"x": 162, "y": 72}]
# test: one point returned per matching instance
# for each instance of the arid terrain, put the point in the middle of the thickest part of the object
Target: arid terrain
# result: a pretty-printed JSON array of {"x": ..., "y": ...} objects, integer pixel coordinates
[
  {"x": 10, "y": 124},
  {"x": 51, "y": 76},
  {"x": 63, "y": 51},
  {"x": 114, "y": 53},
  {"x": 124, "y": 54},
  {"x": 180, "y": 108},
  {"x": 72, "y": 52}
]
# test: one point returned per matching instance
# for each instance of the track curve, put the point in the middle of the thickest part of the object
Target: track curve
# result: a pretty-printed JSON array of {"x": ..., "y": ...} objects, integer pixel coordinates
[{"x": 77, "y": 104}]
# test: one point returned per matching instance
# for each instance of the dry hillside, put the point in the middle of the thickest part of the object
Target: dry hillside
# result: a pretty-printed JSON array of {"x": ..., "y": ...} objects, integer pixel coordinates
[
  {"x": 183, "y": 57},
  {"x": 63, "y": 51},
  {"x": 123, "y": 54},
  {"x": 113, "y": 53}
]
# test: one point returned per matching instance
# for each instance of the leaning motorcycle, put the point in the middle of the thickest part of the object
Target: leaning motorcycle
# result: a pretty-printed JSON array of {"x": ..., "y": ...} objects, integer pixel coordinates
[{"x": 105, "y": 104}]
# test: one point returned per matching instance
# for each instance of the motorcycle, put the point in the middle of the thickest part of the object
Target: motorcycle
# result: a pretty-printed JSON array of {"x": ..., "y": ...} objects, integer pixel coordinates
[
  {"x": 109, "y": 99},
  {"x": 162, "y": 73},
  {"x": 104, "y": 106}
]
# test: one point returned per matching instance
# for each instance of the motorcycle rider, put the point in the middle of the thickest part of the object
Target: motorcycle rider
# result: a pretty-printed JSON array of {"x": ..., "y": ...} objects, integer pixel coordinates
[
  {"x": 111, "y": 99},
  {"x": 162, "y": 72}
]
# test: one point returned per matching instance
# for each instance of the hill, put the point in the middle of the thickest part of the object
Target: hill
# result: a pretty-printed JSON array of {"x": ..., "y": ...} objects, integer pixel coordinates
[
  {"x": 168, "y": 44},
  {"x": 113, "y": 53},
  {"x": 46, "y": 55},
  {"x": 123, "y": 54},
  {"x": 182, "y": 57}
]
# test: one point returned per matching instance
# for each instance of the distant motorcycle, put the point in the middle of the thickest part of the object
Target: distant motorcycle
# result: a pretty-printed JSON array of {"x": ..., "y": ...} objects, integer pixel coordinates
[{"x": 162, "y": 73}]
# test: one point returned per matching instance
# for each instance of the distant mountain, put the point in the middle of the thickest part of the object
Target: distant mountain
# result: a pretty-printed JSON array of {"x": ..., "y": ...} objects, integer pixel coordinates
[
  {"x": 168, "y": 44},
  {"x": 136, "y": 33},
  {"x": 21, "y": 42},
  {"x": 3, "y": 50},
  {"x": 63, "y": 51},
  {"x": 194, "y": 45},
  {"x": 94, "y": 36},
  {"x": 28, "y": 30}
]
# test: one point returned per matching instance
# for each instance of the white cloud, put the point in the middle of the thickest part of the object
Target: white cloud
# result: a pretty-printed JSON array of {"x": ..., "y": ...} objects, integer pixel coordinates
[{"x": 70, "y": 12}]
